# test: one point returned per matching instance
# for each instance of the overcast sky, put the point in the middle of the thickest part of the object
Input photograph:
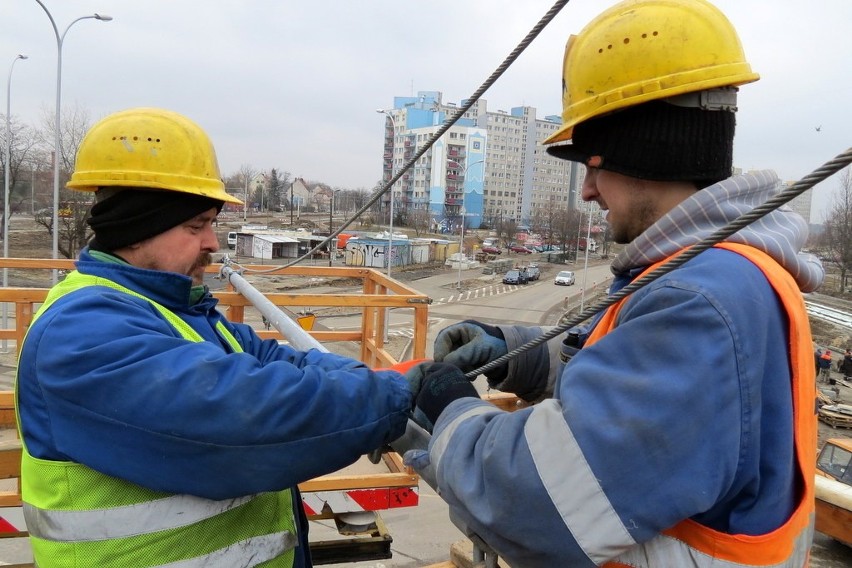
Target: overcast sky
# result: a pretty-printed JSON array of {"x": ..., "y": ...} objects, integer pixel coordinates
[{"x": 295, "y": 84}]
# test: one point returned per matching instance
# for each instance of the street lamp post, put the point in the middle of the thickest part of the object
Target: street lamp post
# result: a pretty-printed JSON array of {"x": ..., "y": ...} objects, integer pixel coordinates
[
  {"x": 245, "y": 199},
  {"x": 6, "y": 184},
  {"x": 331, "y": 251},
  {"x": 461, "y": 240},
  {"x": 56, "y": 139},
  {"x": 390, "y": 208},
  {"x": 461, "y": 249},
  {"x": 586, "y": 263}
]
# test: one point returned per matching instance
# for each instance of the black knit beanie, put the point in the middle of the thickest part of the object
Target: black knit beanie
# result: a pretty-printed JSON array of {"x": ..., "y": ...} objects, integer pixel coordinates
[
  {"x": 133, "y": 215},
  {"x": 657, "y": 141}
]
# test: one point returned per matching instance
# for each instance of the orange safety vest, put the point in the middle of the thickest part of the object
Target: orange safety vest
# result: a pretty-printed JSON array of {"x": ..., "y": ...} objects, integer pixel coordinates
[{"x": 691, "y": 544}]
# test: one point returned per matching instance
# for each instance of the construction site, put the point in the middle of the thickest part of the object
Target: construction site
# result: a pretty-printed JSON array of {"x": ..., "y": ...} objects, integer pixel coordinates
[
  {"x": 370, "y": 515},
  {"x": 638, "y": 380}
]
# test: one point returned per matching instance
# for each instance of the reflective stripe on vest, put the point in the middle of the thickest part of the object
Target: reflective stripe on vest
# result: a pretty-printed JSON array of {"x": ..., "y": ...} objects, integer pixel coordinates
[
  {"x": 78, "y": 517},
  {"x": 689, "y": 544}
]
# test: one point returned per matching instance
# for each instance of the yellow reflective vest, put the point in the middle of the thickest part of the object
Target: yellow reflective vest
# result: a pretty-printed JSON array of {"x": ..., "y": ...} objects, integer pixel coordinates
[{"x": 80, "y": 518}]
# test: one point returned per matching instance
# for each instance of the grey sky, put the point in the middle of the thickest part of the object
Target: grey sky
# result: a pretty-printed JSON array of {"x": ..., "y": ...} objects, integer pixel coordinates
[{"x": 294, "y": 84}]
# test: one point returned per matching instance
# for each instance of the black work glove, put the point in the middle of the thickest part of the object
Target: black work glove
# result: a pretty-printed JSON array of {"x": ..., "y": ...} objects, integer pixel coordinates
[
  {"x": 415, "y": 376},
  {"x": 441, "y": 384},
  {"x": 471, "y": 344}
]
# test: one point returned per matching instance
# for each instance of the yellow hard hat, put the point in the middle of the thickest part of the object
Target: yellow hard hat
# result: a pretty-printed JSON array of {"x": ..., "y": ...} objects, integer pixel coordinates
[
  {"x": 149, "y": 148},
  {"x": 644, "y": 50}
]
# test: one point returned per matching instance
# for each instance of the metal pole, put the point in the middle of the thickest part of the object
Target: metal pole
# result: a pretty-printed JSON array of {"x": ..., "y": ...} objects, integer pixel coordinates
[
  {"x": 579, "y": 229},
  {"x": 390, "y": 209},
  {"x": 6, "y": 186},
  {"x": 586, "y": 264},
  {"x": 56, "y": 125},
  {"x": 461, "y": 248},
  {"x": 463, "y": 217},
  {"x": 245, "y": 201},
  {"x": 330, "y": 229},
  {"x": 393, "y": 167},
  {"x": 298, "y": 337}
]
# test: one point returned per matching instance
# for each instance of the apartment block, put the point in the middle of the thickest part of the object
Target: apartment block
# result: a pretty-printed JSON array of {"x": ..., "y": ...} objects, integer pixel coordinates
[{"x": 488, "y": 168}]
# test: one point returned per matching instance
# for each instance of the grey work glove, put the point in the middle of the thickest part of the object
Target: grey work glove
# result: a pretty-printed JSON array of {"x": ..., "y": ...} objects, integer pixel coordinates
[{"x": 471, "y": 344}]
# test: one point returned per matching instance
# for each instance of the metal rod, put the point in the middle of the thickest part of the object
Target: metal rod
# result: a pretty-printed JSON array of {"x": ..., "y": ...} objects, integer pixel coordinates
[{"x": 298, "y": 337}]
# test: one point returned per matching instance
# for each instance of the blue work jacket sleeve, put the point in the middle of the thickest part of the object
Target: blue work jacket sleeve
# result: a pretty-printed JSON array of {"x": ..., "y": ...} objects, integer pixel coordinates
[
  {"x": 678, "y": 413},
  {"x": 106, "y": 382}
]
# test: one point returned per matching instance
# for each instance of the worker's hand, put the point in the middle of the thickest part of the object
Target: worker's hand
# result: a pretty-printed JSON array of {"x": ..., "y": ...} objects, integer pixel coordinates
[
  {"x": 469, "y": 345},
  {"x": 440, "y": 385},
  {"x": 415, "y": 376}
]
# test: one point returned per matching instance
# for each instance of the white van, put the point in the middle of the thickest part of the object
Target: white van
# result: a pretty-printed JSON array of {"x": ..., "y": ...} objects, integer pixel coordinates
[{"x": 232, "y": 240}]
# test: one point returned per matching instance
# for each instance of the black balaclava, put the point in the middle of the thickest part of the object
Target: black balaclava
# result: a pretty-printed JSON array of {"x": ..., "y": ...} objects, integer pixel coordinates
[
  {"x": 131, "y": 215},
  {"x": 657, "y": 141}
]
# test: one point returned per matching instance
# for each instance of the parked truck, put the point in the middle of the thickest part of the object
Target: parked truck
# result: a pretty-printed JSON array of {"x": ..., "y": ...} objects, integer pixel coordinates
[{"x": 834, "y": 490}]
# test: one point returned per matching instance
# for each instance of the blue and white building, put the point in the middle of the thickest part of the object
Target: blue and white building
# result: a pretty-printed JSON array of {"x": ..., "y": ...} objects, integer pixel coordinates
[{"x": 489, "y": 166}]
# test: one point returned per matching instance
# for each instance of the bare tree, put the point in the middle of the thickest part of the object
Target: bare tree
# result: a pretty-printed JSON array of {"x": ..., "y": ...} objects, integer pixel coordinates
[
  {"x": 506, "y": 229},
  {"x": 420, "y": 220},
  {"x": 246, "y": 173},
  {"x": 837, "y": 238},
  {"x": 73, "y": 206},
  {"x": 22, "y": 147}
]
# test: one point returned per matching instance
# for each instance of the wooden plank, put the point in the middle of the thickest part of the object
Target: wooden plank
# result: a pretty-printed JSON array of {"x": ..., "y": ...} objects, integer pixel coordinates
[
  {"x": 10, "y": 499},
  {"x": 835, "y": 419},
  {"x": 368, "y": 481},
  {"x": 7, "y": 410},
  {"x": 10, "y": 459},
  {"x": 504, "y": 400}
]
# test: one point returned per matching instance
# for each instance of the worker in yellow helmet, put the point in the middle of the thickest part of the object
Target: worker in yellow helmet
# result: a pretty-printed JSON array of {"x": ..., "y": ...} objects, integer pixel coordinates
[
  {"x": 155, "y": 432},
  {"x": 677, "y": 428}
]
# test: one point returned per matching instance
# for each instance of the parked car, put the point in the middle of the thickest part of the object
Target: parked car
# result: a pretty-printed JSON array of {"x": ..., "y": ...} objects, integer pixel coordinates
[
  {"x": 547, "y": 248},
  {"x": 232, "y": 240},
  {"x": 533, "y": 273},
  {"x": 515, "y": 277},
  {"x": 521, "y": 249},
  {"x": 564, "y": 278},
  {"x": 491, "y": 250}
]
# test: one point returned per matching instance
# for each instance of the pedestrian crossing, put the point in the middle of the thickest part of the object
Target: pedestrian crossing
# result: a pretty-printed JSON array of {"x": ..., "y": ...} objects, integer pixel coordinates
[{"x": 476, "y": 293}]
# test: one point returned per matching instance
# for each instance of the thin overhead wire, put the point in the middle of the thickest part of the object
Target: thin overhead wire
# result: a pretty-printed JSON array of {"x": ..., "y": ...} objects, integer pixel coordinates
[
  {"x": 829, "y": 168},
  {"x": 507, "y": 62}
]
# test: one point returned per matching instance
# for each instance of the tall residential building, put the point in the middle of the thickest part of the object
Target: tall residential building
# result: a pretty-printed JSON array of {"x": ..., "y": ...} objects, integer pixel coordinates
[
  {"x": 802, "y": 203},
  {"x": 492, "y": 164}
]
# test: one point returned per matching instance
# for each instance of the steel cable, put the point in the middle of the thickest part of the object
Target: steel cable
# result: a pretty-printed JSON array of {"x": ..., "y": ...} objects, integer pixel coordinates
[{"x": 528, "y": 39}]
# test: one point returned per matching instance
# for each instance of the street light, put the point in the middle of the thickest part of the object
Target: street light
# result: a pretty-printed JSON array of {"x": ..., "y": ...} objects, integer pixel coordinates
[
  {"x": 331, "y": 251},
  {"x": 8, "y": 160},
  {"x": 461, "y": 241},
  {"x": 6, "y": 185},
  {"x": 56, "y": 139},
  {"x": 393, "y": 148},
  {"x": 586, "y": 263}
]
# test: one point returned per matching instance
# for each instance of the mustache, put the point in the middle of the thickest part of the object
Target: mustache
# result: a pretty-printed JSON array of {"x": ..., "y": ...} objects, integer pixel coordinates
[{"x": 204, "y": 260}]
